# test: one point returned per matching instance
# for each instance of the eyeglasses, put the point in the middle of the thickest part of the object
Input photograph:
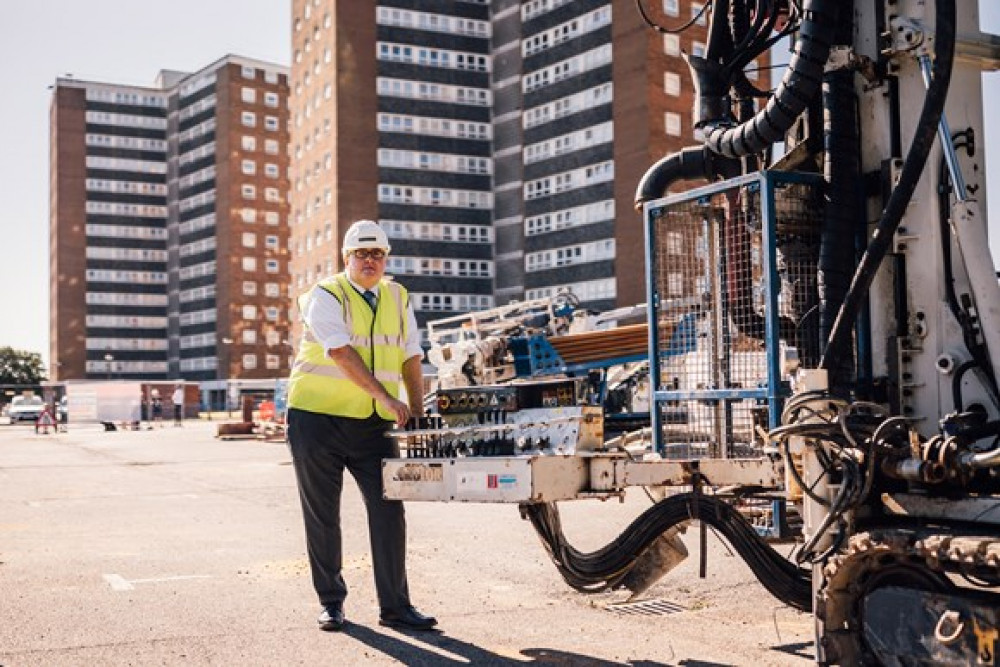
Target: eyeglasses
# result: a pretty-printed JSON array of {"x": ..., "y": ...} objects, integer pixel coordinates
[{"x": 369, "y": 253}]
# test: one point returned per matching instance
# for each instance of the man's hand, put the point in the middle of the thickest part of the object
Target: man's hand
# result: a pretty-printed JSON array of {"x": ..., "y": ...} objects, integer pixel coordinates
[{"x": 398, "y": 408}]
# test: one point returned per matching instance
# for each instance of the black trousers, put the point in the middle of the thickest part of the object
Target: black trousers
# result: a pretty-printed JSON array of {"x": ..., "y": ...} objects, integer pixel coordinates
[{"x": 322, "y": 446}]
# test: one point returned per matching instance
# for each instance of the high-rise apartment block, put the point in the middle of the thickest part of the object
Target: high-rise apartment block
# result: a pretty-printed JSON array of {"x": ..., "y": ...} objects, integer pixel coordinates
[
  {"x": 498, "y": 143},
  {"x": 169, "y": 248}
]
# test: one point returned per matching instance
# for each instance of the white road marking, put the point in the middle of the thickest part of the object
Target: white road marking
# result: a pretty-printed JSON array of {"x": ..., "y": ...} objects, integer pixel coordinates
[{"x": 120, "y": 583}]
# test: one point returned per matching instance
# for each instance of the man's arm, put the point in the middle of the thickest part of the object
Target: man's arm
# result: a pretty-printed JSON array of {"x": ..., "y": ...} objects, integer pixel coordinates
[
  {"x": 413, "y": 380},
  {"x": 350, "y": 362}
]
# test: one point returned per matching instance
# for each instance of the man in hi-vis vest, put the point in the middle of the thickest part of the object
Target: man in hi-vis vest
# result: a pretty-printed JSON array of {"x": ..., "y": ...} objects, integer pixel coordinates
[{"x": 359, "y": 347}]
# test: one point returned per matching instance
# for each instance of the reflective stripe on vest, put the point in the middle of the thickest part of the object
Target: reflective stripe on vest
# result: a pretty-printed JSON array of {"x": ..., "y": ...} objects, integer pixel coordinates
[{"x": 317, "y": 384}]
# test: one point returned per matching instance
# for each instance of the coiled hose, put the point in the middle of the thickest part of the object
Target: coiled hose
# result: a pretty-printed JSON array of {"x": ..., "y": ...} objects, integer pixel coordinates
[
  {"x": 797, "y": 89},
  {"x": 605, "y": 568}
]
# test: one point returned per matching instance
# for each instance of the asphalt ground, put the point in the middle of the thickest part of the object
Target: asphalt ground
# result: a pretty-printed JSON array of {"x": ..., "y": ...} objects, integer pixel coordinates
[{"x": 172, "y": 547}]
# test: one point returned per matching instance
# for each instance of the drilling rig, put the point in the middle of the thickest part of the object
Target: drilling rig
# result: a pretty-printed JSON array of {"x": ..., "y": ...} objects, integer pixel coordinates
[{"x": 838, "y": 382}]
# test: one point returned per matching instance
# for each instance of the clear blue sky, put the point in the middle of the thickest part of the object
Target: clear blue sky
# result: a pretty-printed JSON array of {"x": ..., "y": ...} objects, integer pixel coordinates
[{"x": 129, "y": 41}]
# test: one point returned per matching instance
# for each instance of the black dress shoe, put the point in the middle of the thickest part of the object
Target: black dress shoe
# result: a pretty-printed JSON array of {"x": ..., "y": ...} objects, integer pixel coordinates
[
  {"x": 406, "y": 618},
  {"x": 332, "y": 619}
]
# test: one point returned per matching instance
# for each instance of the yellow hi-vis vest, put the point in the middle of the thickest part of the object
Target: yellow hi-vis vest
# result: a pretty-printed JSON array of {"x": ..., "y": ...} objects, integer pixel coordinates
[{"x": 317, "y": 384}]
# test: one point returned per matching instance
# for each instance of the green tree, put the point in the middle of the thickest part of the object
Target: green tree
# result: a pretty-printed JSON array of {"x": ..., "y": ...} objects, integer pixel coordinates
[{"x": 20, "y": 367}]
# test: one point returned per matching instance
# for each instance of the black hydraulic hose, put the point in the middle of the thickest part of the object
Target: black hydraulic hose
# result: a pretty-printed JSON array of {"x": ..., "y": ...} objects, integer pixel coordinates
[
  {"x": 605, "y": 568},
  {"x": 944, "y": 213},
  {"x": 720, "y": 42},
  {"x": 694, "y": 162},
  {"x": 798, "y": 88},
  {"x": 842, "y": 173},
  {"x": 958, "y": 405},
  {"x": 743, "y": 33},
  {"x": 761, "y": 40},
  {"x": 913, "y": 166}
]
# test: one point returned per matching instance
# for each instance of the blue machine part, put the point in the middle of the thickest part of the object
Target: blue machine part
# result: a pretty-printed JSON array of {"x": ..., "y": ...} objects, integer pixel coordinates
[{"x": 534, "y": 356}]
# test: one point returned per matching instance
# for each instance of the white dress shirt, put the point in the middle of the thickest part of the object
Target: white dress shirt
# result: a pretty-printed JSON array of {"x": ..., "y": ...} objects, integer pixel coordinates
[{"x": 325, "y": 317}]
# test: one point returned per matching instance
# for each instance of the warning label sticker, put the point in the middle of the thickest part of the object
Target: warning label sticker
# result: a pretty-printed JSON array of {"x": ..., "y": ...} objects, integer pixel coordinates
[{"x": 419, "y": 472}]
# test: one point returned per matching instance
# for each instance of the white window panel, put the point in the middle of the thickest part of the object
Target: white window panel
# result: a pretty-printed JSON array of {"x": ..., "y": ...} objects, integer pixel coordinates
[
  {"x": 672, "y": 123},
  {"x": 438, "y": 92},
  {"x": 576, "y": 27},
  {"x": 566, "y": 106},
  {"x": 591, "y": 290},
  {"x": 672, "y": 83},
  {"x": 566, "y": 69}
]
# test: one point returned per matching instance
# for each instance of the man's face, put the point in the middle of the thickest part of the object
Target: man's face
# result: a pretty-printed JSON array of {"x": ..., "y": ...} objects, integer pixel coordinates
[{"x": 365, "y": 266}]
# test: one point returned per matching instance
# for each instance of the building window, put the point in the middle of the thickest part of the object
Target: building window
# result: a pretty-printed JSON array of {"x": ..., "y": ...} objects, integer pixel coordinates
[
  {"x": 248, "y": 72},
  {"x": 248, "y": 167},
  {"x": 271, "y": 123},
  {"x": 248, "y": 143},
  {"x": 698, "y": 10},
  {"x": 272, "y": 361},
  {"x": 248, "y": 118},
  {"x": 671, "y": 44},
  {"x": 270, "y": 146},
  {"x": 249, "y": 240},
  {"x": 672, "y": 83},
  {"x": 271, "y": 99},
  {"x": 271, "y": 241},
  {"x": 698, "y": 49},
  {"x": 675, "y": 284},
  {"x": 272, "y": 290},
  {"x": 271, "y": 194},
  {"x": 271, "y": 313},
  {"x": 249, "y": 215},
  {"x": 248, "y": 95},
  {"x": 271, "y": 266},
  {"x": 249, "y": 361},
  {"x": 671, "y": 7},
  {"x": 271, "y": 217},
  {"x": 249, "y": 288},
  {"x": 271, "y": 170},
  {"x": 249, "y": 336},
  {"x": 249, "y": 264},
  {"x": 672, "y": 121},
  {"x": 249, "y": 192},
  {"x": 249, "y": 312},
  {"x": 675, "y": 243}
]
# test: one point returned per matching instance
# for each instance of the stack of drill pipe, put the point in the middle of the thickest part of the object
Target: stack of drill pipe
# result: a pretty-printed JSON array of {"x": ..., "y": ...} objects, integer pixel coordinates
[{"x": 627, "y": 341}]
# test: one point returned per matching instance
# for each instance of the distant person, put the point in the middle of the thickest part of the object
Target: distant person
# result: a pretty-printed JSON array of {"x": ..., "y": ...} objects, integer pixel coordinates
[
  {"x": 157, "y": 408},
  {"x": 45, "y": 420},
  {"x": 178, "y": 400}
]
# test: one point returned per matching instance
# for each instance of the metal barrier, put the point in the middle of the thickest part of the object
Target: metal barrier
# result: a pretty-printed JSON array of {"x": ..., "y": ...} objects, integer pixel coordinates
[{"x": 737, "y": 259}]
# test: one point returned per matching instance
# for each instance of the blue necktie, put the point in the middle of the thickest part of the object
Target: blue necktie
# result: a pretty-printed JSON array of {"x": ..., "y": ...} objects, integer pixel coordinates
[{"x": 370, "y": 298}]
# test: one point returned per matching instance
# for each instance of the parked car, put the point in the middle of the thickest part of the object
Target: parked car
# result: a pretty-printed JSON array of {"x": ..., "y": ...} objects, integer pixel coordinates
[{"x": 25, "y": 408}]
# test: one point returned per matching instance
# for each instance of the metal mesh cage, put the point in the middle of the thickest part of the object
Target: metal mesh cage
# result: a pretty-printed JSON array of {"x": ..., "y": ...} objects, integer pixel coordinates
[{"x": 733, "y": 281}]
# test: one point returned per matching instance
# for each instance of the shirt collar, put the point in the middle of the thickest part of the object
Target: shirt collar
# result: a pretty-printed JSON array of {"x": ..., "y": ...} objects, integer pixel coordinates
[{"x": 361, "y": 290}]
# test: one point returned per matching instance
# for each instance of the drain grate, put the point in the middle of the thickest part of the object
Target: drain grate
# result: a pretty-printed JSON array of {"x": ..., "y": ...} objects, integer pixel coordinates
[{"x": 645, "y": 608}]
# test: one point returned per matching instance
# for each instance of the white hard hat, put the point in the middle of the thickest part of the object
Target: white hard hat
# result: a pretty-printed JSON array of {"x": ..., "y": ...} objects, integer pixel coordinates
[{"x": 365, "y": 234}]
